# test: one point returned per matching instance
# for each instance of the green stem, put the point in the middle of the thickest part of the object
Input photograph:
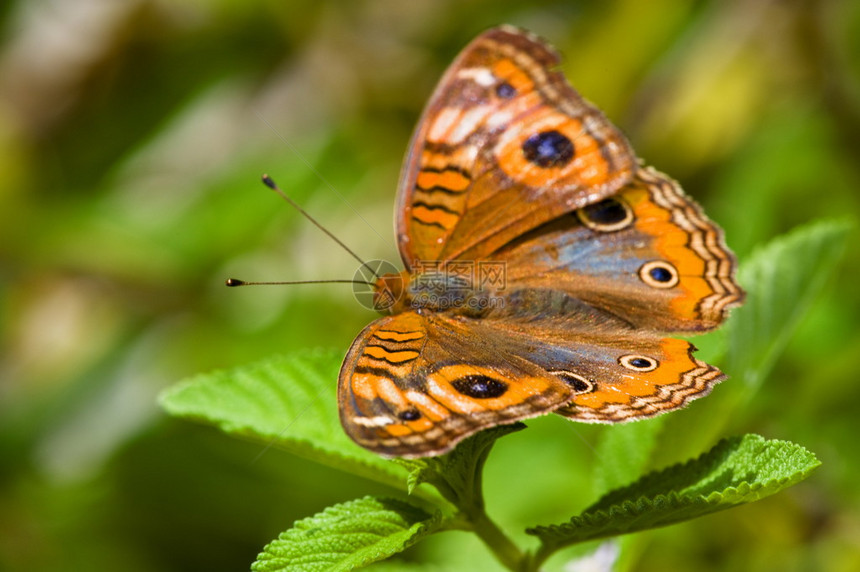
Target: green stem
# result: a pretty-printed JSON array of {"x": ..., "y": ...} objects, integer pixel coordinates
[
  {"x": 458, "y": 476},
  {"x": 533, "y": 561},
  {"x": 502, "y": 547}
]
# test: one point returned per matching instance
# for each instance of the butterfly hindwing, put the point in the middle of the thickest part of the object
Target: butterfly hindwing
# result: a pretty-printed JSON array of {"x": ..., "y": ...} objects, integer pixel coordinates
[
  {"x": 648, "y": 255},
  {"x": 652, "y": 376},
  {"x": 617, "y": 374}
]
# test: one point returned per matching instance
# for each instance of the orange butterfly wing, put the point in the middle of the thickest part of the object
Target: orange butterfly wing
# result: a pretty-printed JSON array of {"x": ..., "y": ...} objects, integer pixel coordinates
[
  {"x": 509, "y": 164},
  {"x": 504, "y": 145},
  {"x": 617, "y": 374},
  {"x": 414, "y": 386},
  {"x": 647, "y": 255}
]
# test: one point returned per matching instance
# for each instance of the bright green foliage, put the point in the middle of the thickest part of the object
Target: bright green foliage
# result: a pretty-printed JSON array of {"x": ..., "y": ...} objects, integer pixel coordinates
[
  {"x": 623, "y": 453},
  {"x": 287, "y": 401},
  {"x": 347, "y": 536},
  {"x": 736, "y": 471},
  {"x": 782, "y": 280}
]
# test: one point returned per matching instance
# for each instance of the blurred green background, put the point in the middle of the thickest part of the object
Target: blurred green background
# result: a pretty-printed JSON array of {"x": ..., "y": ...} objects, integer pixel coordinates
[{"x": 132, "y": 136}]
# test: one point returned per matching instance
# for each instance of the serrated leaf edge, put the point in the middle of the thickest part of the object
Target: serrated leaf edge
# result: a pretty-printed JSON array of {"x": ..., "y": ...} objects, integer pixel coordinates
[
  {"x": 419, "y": 529},
  {"x": 643, "y": 504}
]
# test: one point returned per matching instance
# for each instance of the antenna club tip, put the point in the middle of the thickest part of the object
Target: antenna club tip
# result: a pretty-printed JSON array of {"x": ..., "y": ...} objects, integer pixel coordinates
[
  {"x": 234, "y": 282},
  {"x": 267, "y": 180}
]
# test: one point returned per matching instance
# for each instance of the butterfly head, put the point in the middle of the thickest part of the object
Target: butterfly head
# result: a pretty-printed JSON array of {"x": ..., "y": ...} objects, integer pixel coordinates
[{"x": 389, "y": 293}]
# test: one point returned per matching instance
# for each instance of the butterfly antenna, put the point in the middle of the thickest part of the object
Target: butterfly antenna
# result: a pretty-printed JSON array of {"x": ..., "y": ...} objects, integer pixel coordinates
[
  {"x": 236, "y": 282},
  {"x": 267, "y": 180}
]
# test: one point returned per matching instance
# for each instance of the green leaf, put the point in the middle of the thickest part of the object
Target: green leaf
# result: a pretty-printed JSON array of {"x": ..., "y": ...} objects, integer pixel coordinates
[
  {"x": 402, "y": 566},
  {"x": 736, "y": 471},
  {"x": 347, "y": 536},
  {"x": 782, "y": 281},
  {"x": 623, "y": 453},
  {"x": 286, "y": 401}
]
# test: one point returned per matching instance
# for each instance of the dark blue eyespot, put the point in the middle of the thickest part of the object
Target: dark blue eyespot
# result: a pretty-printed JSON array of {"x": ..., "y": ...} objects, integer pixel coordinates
[
  {"x": 607, "y": 215},
  {"x": 660, "y": 274},
  {"x": 480, "y": 386},
  {"x": 577, "y": 382},
  {"x": 548, "y": 149},
  {"x": 410, "y": 415},
  {"x": 505, "y": 90},
  {"x": 642, "y": 364}
]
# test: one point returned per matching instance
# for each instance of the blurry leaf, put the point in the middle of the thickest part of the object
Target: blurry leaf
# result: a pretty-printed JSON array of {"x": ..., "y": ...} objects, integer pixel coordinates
[
  {"x": 736, "y": 471},
  {"x": 287, "y": 401},
  {"x": 347, "y": 536},
  {"x": 782, "y": 281},
  {"x": 624, "y": 452}
]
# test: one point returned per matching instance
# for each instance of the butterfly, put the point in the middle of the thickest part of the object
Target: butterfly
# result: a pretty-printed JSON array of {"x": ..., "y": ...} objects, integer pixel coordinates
[{"x": 543, "y": 266}]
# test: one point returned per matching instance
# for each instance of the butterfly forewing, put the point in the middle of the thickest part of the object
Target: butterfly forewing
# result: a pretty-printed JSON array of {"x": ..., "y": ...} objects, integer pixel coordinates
[
  {"x": 504, "y": 145},
  {"x": 414, "y": 386}
]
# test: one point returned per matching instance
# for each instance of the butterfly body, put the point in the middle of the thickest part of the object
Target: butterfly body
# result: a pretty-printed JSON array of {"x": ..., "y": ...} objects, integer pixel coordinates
[{"x": 543, "y": 267}]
